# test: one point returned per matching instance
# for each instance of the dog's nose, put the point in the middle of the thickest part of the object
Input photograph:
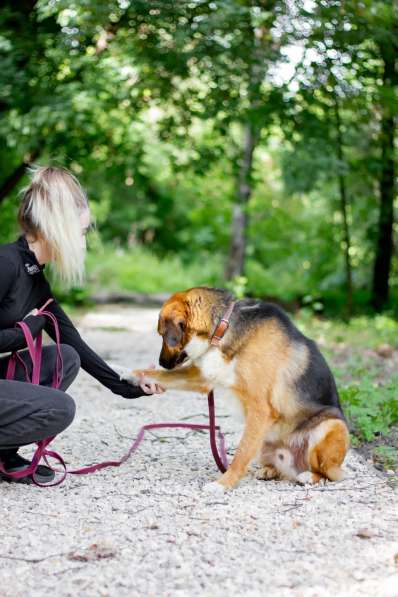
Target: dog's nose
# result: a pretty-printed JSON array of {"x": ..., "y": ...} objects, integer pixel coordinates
[{"x": 165, "y": 363}]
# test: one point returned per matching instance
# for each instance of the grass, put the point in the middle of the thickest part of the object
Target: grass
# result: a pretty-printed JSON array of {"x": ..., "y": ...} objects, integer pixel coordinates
[{"x": 367, "y": 381}]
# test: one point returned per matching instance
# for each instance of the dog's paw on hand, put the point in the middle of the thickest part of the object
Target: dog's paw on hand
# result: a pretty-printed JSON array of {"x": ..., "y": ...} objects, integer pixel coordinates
[{"x": 146, "y": 382}]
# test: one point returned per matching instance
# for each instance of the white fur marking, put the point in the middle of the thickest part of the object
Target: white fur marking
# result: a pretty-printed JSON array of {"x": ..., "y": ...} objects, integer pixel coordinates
[
  {"x": 218, "y": 372},
  {"x": 196, "y": 347},
  {"x": 213, "y": 488},
  {"x": 216, "y": 369},
  {"x": 305, "y": 478}
]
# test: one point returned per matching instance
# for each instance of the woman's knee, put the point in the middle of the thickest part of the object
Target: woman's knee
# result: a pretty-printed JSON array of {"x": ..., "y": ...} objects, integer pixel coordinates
[
  {"x": 63, "y": 414},
  {"x": 70, "y": 357},
  {"x": 70, "y": 409},
  {"x": 71, "y": 364}
]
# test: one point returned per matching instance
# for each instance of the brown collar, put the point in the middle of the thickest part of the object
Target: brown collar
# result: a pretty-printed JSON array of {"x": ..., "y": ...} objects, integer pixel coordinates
[{"x": 222, "y": 326}]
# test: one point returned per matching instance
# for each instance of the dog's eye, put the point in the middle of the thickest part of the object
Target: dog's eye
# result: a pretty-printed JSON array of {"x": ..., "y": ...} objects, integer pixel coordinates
[{"x": 181, "y": 325}]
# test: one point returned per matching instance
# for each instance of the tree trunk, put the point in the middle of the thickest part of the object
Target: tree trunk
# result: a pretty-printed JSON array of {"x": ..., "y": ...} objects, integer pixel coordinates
[
  {"x": 384, "y": 246},
  {"x": 343, "y": 206},
  {"x": 11, "y": 182},
  {"x": 236, "y": 260}
]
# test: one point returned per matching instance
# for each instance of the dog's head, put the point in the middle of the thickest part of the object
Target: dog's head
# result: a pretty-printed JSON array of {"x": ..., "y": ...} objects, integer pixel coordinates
[
  {"x": 186, "y": 316},
  {"x": 174, "y": 327}
]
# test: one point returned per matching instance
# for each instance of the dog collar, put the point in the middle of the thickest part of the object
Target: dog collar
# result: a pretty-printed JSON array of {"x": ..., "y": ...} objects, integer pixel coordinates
[{"x": 222, "y": 326}]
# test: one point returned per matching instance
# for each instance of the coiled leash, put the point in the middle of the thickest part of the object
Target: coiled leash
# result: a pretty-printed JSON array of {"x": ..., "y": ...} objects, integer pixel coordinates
[{"x": 42, "y": 451}]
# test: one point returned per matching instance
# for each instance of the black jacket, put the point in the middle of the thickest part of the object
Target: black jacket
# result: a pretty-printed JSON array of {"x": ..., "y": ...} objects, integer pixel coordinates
[{"x": 23, "y": 287}]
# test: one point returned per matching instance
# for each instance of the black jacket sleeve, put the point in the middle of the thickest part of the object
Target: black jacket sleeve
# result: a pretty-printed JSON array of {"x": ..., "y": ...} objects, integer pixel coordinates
[
  {"x": 90, "y": 361},
  {"x": 13, "y": 338}
]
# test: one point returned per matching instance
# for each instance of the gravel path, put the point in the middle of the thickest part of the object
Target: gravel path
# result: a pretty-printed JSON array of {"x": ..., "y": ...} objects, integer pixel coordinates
[{"x": 148, "y": 529}]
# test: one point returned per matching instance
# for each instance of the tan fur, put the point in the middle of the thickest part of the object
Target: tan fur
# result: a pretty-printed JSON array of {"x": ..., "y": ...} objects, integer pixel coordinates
[
  {"x": 266, "y": 366},
  {"x": 186, "y": 379},
  {"x": 320, "y": 450},
  {"x": 327, "y": 455}
]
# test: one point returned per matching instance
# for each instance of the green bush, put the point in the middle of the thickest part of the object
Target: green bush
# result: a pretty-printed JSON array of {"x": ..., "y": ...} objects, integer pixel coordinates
[{"x": 140, "y": 270}]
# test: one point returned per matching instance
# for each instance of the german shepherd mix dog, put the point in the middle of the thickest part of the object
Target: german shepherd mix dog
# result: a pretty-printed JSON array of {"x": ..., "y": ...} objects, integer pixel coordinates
[{"x": 293, "y": 417}]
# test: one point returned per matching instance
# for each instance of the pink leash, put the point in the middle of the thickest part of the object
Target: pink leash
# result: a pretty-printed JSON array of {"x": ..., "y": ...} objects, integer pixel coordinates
[{"x": 35, "y": 352}]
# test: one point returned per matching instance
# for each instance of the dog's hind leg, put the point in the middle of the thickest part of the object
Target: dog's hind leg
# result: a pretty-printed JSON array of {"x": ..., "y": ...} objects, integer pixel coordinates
[{"x": 328, "y": 445}]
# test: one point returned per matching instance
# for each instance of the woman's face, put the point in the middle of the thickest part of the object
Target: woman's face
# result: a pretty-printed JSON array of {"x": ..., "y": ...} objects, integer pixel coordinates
[{"x": 85, "y": 221}]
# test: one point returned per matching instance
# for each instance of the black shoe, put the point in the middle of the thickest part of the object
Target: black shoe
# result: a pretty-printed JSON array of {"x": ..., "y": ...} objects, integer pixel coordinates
[{"x": 14, "y": 463}]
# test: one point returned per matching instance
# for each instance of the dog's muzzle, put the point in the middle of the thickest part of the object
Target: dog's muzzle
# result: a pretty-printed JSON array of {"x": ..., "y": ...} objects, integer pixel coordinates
[{"x": 172, "y": 363}]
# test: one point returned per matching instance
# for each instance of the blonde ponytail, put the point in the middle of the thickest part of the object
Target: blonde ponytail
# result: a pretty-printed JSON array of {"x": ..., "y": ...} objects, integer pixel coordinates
[{"x": 50, "y": 210}]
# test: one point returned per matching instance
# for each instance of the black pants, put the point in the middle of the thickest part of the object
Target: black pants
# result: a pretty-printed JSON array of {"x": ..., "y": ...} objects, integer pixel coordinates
[{"x": 29, "y": 413}]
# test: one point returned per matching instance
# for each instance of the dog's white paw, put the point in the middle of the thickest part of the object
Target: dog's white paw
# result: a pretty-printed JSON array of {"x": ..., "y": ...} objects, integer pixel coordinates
[
  {"x": 305, "y": 478},
  {"x": 213, "y": 488}
]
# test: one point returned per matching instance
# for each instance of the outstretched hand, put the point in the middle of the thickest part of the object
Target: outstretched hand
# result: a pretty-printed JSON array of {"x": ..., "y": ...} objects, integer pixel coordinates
[
  {"x": 149, "y": 386},
  {"x": 140, "y": 378}
]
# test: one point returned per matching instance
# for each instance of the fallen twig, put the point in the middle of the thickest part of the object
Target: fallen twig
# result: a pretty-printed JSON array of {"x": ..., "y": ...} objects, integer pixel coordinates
[{"x": 33, "y": 560}]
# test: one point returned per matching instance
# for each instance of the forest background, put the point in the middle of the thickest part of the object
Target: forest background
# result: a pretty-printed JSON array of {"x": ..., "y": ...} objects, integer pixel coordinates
[
  {"x": 239, "y": 143},
  {"x": 230, "y": 142}
]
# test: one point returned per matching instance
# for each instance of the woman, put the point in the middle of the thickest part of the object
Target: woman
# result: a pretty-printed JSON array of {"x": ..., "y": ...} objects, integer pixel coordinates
[{"x": 54, "y": 217}]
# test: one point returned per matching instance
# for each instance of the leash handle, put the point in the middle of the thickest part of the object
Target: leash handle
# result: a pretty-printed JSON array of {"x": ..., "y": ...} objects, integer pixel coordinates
[{"x": 35, "y": 353}]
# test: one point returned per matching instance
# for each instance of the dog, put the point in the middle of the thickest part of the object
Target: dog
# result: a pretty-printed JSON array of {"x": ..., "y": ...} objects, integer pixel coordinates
[{"x": 293, "y": 418}]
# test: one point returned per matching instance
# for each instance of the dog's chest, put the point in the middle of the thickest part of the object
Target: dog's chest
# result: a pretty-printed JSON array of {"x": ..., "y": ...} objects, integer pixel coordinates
[
  {"x": 216, "y": 369},
  {"x": 220, "y": 373}
]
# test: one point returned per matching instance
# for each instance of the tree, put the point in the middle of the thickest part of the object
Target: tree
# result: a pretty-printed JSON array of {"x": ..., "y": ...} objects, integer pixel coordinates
[{"x": 367, "y": 33}]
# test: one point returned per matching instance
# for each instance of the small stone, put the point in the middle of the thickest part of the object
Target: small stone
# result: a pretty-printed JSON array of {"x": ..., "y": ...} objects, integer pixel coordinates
[
  {"x": 366, "y": 533},
  {"x": 385, "y": 351}
]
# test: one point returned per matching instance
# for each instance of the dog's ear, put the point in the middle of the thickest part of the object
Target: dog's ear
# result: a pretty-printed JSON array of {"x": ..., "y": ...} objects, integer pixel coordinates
[{"x": 174, "y": 332}]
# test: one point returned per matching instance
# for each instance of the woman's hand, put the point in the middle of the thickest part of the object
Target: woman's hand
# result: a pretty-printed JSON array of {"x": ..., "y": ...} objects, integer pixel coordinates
[
  {"x": 149, "y": 386},
  {"x": 33, "y": 312},
  {"x": 138, "y": 378}
]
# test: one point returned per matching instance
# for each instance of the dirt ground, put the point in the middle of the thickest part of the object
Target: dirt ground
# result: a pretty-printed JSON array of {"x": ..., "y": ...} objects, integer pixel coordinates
[{"x": 148, "y": 528}]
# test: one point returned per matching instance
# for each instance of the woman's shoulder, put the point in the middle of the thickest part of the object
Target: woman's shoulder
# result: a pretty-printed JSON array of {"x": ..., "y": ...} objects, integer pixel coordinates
[{"x": 8, "y": 258}]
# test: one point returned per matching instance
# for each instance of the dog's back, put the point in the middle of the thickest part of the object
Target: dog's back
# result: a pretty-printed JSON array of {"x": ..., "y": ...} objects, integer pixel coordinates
[{"x": 315, "y": 386}]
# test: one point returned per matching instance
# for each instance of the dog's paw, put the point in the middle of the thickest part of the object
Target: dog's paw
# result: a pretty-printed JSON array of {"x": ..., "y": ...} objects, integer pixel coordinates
[
  {"x": 267, "y": 473},
  {"x": 214, "y": 488},
  {"x": 308, "y": 478}
]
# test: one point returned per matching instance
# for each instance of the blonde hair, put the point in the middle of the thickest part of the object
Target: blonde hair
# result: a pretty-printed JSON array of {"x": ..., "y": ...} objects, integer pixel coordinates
[{"x": 50, "y": 210}]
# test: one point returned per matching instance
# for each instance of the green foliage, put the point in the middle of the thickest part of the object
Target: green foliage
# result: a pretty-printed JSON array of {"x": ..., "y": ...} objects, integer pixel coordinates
[
  {"x": 367, "y": 382},
  {"x": 147, "y": 106},
  {"x": 139, "y": 270},
  {"x": 358, "y": 333},
  {"x": 387, "y": 456},
  {"x": 372, "y": 408}
]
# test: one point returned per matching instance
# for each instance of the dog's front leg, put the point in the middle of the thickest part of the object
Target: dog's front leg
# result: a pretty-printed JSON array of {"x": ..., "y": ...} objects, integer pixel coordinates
[
  {"x": 258, "y": 422},
  {"x": 184, "y": 378}
]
